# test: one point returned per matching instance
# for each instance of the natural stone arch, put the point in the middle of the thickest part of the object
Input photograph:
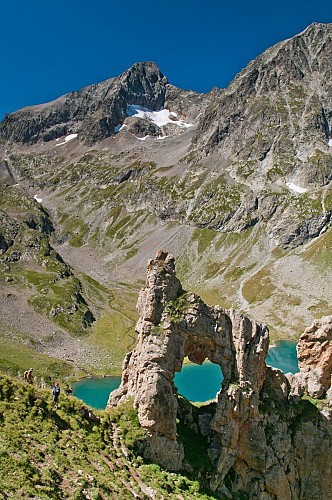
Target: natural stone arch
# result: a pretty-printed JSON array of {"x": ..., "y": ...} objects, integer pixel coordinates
[
  {"x": 173, "y": 324},
  {"x": 255, "y": 437}
]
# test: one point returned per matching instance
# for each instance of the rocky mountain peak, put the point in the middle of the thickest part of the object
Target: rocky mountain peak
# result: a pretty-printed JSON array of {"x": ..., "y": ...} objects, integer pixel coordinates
[
  {"x": 251, "y": 163},
  {"x": 93, "y": 112},
  {"x": 290, "y": 73},
  {"x": 270, "y": 132},
  {"x": 143, "y": 84},
  {"x": 144, "y": 71}
]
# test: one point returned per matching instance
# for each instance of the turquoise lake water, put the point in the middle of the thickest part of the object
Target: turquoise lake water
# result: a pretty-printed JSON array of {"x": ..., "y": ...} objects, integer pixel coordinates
[
  {"x": 196, "y": 383},
  {"x": 95, "y": 391},
  {"x": 283, "y": 356}
]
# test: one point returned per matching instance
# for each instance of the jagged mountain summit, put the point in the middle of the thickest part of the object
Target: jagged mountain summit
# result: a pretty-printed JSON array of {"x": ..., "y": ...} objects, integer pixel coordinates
[
  {"x": 94, "y": 112},
  {"x": 255, "y": 147},
  {"x": 284, "y": 94},
  {"x": 270, "y": 131},
  {"x": 236, "y": 183}
]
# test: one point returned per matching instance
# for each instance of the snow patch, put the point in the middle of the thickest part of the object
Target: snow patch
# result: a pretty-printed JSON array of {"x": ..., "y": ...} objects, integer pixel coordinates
[
  {"x": 141, "y": 138},
  {"x": 119, "y": 127},
  {"x": 295, "y": 188},
  {"x": 330, "y": 143},
  {"x": 160, "y": 118},
  {"x": 69, "y": 138},
  {"x": 38, "y": 200}
]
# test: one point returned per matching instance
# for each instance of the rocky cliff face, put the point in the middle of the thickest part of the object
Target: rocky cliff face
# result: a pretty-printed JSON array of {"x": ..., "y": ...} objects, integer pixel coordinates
[
  {"x": 314, "y": 352},
  {"x": 270, "y": 130},
  {"x": 93, "y": 111},
  {"x": 260, "y": 153},
  {"x": 261, "y": 441},
  {"x": 278, "y": 107}
]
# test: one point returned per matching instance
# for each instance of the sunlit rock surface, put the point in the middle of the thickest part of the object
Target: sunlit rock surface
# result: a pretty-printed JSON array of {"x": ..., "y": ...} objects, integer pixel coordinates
[{"x": 260, "y": 439}]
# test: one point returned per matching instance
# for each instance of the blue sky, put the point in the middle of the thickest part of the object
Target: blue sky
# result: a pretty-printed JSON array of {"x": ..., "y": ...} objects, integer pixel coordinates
[{"x": 50, "y": 47}]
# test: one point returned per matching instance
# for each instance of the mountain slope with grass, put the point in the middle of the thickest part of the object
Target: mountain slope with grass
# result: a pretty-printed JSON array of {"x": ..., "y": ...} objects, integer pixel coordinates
[
  {"x": 74, "y": 453},
  {"x": 235, "y": 183}
]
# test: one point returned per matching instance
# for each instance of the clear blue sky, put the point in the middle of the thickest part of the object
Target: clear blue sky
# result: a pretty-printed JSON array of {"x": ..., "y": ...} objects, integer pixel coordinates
[{"x": 49, "y": 48}]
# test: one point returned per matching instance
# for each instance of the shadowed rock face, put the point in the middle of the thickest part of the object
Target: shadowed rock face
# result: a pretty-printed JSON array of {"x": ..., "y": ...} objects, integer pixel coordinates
[
  {"x": 250, "y": 433},
  {"x": 95, "y": 111}
]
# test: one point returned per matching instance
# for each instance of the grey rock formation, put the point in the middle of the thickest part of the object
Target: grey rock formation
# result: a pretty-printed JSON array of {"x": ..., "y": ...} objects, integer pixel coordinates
[
  {"x": 238, "y": 345},
  {"x": 270, "y": 128},
  {"x": 6, "y": 175},
  {"x": 95, "y": 111},
  {"x": 123, "y": 196},
  {"x": 260, "y": 151},
  {"x": 284, "y": 88},
  {"x": 8, "y": 231},
  {"x": 259, "y": 440}
]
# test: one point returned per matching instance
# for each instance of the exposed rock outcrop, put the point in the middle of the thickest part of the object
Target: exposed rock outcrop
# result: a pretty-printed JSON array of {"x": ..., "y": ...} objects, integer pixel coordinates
[
  {"x": 262, "y": 102},
  {"x": 93, "y": 112},
  {"x": 259, "y": 151},
  {"x": 260, "y": 440},
  {"x": 314, "y": 352},
  {"x": 172, "y": 325},
  {"x": 259, "y": 145},
  {"x": 271, "y": 128}
]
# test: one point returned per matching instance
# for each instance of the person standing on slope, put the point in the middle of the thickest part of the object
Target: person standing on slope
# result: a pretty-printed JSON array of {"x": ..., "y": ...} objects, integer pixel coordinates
[
  {"x": 56, "y": 394},
  {"x": 28, "y": 375}
]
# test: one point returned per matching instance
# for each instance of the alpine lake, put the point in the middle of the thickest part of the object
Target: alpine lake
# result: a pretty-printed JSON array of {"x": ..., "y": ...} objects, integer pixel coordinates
[{"x": 196, "y": 383}]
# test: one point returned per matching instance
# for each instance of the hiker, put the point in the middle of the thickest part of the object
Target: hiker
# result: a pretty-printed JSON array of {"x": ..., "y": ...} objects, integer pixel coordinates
[
  {"x": 56, "y": 394},
  {"x": 68, "y": 389},
  {"x": 28, "y": 375}
]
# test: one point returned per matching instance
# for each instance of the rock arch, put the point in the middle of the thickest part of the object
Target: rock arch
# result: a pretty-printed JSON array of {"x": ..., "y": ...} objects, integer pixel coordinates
[
  {"x": 173, "y": 324},
  {"x": 260, "y": 439}
]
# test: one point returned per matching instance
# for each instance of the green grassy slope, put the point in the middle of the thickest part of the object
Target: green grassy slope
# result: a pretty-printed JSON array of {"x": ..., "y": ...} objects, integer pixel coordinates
[{"x": 73, "y": 453}]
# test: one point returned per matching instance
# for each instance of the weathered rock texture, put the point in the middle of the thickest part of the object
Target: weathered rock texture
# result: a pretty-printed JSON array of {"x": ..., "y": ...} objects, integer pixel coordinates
[
  {"x": 314, "y": 352},
  {"x": 274, "y": 122},
  {"x": 260, "y": 444},
  {"x": 250, "y": 143}
]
